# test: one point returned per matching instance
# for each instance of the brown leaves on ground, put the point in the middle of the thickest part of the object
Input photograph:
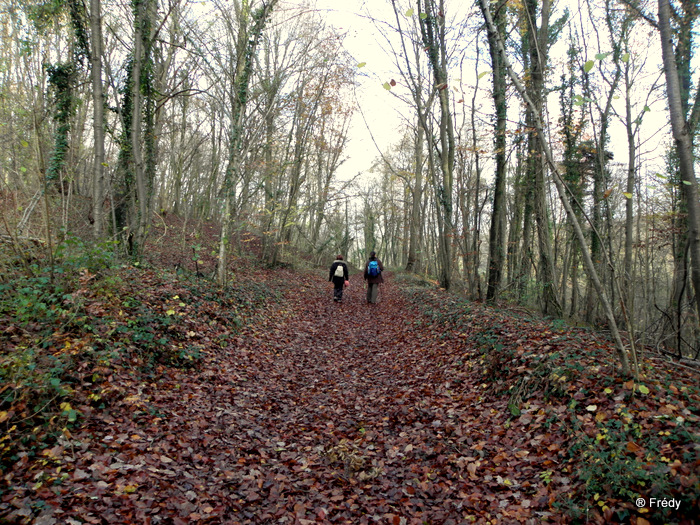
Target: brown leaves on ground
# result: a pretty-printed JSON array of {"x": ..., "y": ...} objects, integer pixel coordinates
[{"x": 317, "y": 412}]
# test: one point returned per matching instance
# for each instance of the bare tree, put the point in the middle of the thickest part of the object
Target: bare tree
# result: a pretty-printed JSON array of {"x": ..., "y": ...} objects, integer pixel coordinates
[
  {"x": 98, "y": 116},
  {"x": 683, "y": 129},
  {"x": 251, "y": 24},
  {"x": 497, "y": 232}
]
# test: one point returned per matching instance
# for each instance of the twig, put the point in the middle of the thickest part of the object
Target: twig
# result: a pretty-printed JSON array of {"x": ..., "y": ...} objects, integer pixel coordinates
[{"x": 165, "y": 226}]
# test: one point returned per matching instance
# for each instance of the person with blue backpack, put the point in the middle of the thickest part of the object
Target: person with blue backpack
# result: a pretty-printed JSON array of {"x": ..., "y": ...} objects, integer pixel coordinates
[{"x": 373, "y": 276}]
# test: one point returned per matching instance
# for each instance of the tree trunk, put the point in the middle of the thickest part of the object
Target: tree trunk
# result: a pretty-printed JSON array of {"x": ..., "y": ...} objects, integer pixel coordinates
[
  {"x": 497, "y": 232},
  {"x": 628, "y": 277},
  {"x": 416, "y": 195},
  {"x": 139, "y": 237},
  {"x": 538, "y": 40},
  {"x": 683, "y": 139},
  {"x": 434, "y": 38},
  {"x": 98, "y": 117}
]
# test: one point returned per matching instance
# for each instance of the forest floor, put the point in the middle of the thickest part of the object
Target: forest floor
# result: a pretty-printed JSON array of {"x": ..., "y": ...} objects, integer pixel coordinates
[{"x": 277, "y": 405}]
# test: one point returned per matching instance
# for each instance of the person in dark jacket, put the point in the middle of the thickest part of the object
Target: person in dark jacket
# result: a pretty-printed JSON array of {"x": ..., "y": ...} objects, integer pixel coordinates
[
  {"x": 373, "y": 281},
  {"x": 338, "y": 275}
]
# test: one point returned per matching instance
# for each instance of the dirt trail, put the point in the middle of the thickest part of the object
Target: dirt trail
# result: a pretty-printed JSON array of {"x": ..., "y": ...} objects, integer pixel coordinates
[{"x": 317, "y": 413}]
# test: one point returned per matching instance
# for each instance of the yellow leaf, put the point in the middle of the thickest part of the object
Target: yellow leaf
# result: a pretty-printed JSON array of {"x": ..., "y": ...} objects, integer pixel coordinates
[
  {"x": 608, "y": 391},
  {"x": 362, "y": 64},
  {"x": 66, "y": 407},
  {"x": 592, "y": 408},
  {"x": 170, "y": 312},
  {"x": 3, "y": 416},
  {"x": 644, "y": 390}
]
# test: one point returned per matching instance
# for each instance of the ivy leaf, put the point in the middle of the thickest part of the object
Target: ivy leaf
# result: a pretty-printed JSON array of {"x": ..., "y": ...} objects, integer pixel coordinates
[{"x": 588, "y": 65}]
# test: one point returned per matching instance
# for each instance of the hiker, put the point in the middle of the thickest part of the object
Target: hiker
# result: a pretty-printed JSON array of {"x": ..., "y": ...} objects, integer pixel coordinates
[
  {"x": 338, "y": 275},
  {"x": 373, "y": 276}
]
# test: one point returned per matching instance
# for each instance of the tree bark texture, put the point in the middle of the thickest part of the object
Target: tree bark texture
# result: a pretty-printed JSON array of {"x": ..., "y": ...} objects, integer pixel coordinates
[
  {"x": 497, "y": 231},
  {"x": 683, "y": 139},
  {"x": 98, "y": 117},
  {"x": 434, "y": 39},
  {"x": 538, "y": 47}
]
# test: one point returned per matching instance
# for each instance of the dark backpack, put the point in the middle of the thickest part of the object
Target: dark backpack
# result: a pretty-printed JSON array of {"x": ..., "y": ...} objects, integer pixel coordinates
[{"x": 373, "y": 269}]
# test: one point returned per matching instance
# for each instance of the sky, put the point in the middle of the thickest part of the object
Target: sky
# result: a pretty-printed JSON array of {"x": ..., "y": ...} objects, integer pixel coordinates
[{"x": 377, "y": 121}]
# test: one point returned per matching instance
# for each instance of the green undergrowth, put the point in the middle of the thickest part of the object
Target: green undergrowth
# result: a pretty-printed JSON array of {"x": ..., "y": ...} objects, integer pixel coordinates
[
  {"x": 67, "y": 332},
  {"x": 623, "y": 439}
]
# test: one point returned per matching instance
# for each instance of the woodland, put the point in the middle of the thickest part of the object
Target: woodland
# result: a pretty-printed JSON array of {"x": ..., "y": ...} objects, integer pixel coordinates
[{"x": 176, "y": 178}]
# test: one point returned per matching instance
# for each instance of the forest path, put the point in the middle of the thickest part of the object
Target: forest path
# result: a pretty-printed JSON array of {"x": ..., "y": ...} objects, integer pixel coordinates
[{"x": 317, "y": 412}]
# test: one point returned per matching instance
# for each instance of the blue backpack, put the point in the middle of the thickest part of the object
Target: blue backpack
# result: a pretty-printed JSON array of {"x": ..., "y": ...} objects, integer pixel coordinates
[{"x": 373, "y": 269}]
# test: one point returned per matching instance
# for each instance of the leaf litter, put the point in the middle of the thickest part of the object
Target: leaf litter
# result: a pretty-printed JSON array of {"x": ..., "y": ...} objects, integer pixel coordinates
[{"x": 421, "y": 409}]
